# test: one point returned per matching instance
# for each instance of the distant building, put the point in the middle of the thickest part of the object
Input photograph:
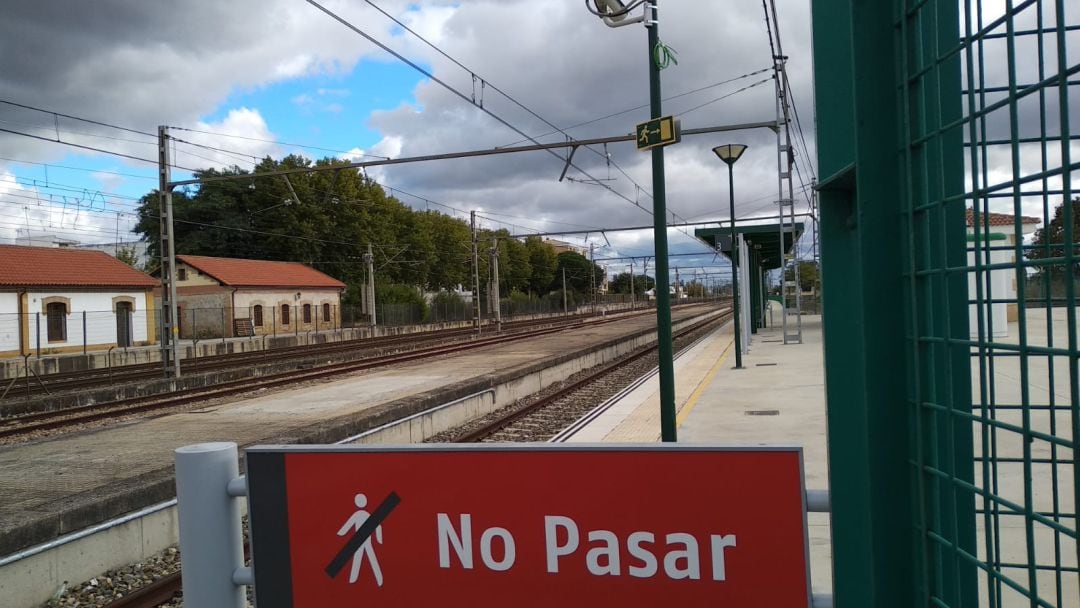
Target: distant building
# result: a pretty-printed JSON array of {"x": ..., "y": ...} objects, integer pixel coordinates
[
  {"x": 59, "y": 299},
  {"x": 1002, "y": 284},
  {"x": 137, "y": 248},
  {"x": 561, "y": 246},
  {"x": 47, "y": 239},
  {"x": 234, "y": 297}
]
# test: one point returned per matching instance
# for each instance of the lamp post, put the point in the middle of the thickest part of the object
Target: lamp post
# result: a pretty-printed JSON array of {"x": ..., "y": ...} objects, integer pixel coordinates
[{"x": 729, "y": 153}]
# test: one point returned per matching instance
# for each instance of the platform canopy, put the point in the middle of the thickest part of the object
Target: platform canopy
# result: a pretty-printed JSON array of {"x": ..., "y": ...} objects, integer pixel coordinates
[{"x": 762, "y": 239}]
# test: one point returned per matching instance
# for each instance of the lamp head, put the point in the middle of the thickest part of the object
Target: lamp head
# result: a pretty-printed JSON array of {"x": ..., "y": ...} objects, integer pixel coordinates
[
  {"x": 614, "y": 8},
  {"x": 729, "y": 153}
]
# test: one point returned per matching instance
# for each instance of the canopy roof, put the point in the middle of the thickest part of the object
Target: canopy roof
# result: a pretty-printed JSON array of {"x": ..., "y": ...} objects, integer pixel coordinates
[{"x": 764, "y": 239}]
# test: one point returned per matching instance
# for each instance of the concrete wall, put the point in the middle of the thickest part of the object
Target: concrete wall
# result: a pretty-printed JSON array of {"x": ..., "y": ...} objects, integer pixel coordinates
[{"x": 200, "y": 312}]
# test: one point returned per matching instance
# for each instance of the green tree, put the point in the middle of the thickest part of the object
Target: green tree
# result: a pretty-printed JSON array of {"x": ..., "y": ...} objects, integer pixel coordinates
[
  {"x": 621, "y": 283},
  {"x": 127, "y": 256},
  {"x": 578, "y": 269},
  {"x": 809, "y": 276},
  {"x": 338, "y": 214},
  {"x": 1049, "y": 242},
  {"x": 543, "y": 261},
  {"x": 694, "y": 289}
]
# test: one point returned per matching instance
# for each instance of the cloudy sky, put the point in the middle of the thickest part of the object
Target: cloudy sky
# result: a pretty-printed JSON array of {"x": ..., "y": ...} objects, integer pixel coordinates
[{"x": 273, "y": 74}]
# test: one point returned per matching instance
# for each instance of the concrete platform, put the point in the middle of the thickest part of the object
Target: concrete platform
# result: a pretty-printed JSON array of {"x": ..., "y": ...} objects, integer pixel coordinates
[
  {"x": 778, "y": 398},
  {"x": 54, "y": 486}
]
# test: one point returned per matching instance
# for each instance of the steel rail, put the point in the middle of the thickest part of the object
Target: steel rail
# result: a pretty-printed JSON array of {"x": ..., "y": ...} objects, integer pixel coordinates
[
  {"x": 137, "y": 405},
  {"x": 482, "y": 432}
]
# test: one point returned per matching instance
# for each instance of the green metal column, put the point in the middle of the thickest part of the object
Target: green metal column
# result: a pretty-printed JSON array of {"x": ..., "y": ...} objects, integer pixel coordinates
[
  {"x": 663, "y": 298},
  {"x": 861, "y": 247},
  {"x": 755, "y": 291}
]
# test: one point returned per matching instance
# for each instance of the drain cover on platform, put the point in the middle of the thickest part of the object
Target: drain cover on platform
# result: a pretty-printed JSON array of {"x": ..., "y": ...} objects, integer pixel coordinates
[{"x": 762, "y": 412}]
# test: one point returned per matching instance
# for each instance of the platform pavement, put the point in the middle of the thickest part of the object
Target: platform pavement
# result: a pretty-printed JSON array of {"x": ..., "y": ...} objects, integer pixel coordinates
[
  {"x": 110, "y": 470},
  {"x": 713, "y": 399}
]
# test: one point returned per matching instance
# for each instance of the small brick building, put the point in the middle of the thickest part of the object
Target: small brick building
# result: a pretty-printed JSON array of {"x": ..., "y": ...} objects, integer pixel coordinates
[{"x": 234, "y": 297}]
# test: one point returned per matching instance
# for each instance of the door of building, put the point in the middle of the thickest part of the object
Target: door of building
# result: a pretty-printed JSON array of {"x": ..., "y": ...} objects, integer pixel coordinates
[{"x": 123, "y": 324}]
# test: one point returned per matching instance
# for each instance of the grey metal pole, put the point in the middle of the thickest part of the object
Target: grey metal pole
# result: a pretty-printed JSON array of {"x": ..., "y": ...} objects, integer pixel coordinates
[
  {"x": 476, "y": 271},
  {"x": 631, "y": 284},
  {"x": 495, "y": 283},
  {"x": 592, "y": 277},
  {"x": 735, "y": 262},
  {"x": 211, "y": 537},
  {"x": 84, "y": 333},
  {"x": 170, "y": 332},
  {"x": 565, "y": 308},
  {"x": 369, "y": 260},
  {"x": 37, "y": 328}
]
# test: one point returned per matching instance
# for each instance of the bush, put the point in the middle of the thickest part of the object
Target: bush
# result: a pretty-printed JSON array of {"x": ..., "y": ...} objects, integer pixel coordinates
[
  {"x": 397, "y": 294},
  {"x": 555, "y": 300},
  {"x": 447, "y": 306}
]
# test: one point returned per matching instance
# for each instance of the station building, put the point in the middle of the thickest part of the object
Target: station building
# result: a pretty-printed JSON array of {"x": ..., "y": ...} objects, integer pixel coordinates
[
  {"x": 998, "y": 247},
  {"x": 60, "y": 300},
  {"x": 228, "y": 297}
]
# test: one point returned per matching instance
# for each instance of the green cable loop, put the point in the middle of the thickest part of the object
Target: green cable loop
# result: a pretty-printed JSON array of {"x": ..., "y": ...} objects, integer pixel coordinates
[{"x": 664, "y": 55}]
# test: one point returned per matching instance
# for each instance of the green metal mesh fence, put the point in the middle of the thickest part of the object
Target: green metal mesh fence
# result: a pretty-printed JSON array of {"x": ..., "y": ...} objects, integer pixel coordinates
[{"x": 993, "y": 379}]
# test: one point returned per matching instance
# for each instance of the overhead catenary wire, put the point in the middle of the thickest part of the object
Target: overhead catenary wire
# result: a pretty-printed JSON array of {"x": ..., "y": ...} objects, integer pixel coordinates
[
  {"x": 85, "y": 147},
  {"x": 463, "y": 96},
  {"x": 272, "y": 141}
]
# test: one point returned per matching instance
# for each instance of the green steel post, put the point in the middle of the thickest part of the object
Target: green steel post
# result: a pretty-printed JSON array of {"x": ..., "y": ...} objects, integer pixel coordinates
[
  {"x": 735, "y": 263},
  {"x": 663, "y": 300},
  {"x": 874, "y": 541}
]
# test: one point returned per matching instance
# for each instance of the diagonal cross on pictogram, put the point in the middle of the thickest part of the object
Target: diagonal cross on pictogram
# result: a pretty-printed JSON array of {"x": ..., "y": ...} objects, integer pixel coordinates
[{"x": 377, "y": 516}]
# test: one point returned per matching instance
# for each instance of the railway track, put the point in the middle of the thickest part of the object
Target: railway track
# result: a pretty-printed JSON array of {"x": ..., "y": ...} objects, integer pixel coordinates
[
  {"x": 29, "y": 387},
  {"x": 166, "y": 589},
  {"x": 540, "y": 419},
  {"x": 34, "y": 424}
]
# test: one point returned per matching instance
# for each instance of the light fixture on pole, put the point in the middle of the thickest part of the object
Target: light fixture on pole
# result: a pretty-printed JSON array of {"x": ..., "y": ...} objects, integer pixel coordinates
[{"x": 729, "y": 153}]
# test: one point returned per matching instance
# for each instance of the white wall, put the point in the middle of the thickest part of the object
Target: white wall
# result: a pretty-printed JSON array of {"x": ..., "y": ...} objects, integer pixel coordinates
[
  {"x": 1001, "y": 288},
  {"x": 100, "y": 317},
  {"x": 9, "y": 321}
]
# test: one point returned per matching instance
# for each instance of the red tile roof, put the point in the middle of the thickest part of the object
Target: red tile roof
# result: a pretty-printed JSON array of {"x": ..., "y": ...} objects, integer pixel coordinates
[
  {"x": 236, "y": 272},
  {"x": 62, "y": 267},
  {"x": 999, "y": 219}
]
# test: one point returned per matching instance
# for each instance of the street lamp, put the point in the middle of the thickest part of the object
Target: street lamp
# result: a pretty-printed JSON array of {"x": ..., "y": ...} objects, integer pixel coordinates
[{"x": 729, "y": 153}]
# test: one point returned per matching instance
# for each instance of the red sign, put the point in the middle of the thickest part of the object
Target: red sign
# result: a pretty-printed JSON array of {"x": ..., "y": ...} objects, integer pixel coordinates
[{"x": 527, "y": 526}]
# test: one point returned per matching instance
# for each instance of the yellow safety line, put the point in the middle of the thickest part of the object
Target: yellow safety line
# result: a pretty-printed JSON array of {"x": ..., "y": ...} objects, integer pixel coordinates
[{"x": 692, "y": 401}]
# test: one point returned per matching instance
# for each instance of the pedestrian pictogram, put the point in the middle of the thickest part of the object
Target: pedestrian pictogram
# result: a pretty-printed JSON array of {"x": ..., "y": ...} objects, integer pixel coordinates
[
  {"x": 658, "y": 132},
  {"x": 366, "y": 549},
  {"x": 527, "y": 526}
]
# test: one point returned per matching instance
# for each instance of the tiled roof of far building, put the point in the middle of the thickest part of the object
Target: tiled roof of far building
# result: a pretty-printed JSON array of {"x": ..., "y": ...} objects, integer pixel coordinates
[
  {"x": 22, "y": 266},
  {"x": 235, "y": 272}
]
